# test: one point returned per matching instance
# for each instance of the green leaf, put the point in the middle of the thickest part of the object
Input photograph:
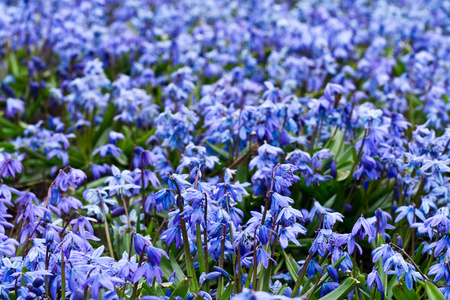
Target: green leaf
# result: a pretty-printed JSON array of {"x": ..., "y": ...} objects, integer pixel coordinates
[
  {"x": 390, "y": 285},
  {"x": 433, "y": 292},
  {"x": 181, "y": 290},
  {"x": 168, "y": 266},
  {"x": 227, "y": 293},
  {"x": 146, "y": 290},
  {"x": 338, "y": 139},
  {"x": 291, "y": 265},
  {"x": 241, "y": 172},
  {"x": 217, "y": 149},
  {"x": 103, "y": 138},
  {"x": 418, "y": 253},
  {"x": 282, "y": 289},
  {"x": 168, "y": 285},
  {"x": 143, "y": 139},
  {"x": 342, "y": 291},
  {"x": 401, "y": 292},
  {"x": 108, "y": 117},
  {"x": 13, "y": 64},
  {"x": 158, "y": 290}
]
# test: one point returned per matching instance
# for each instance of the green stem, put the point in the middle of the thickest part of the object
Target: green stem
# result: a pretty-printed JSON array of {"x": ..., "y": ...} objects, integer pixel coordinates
[
  {"x": 300, "y": 276},
  {"x": 135, "y": 287},
  {"x": 63, "y": 277},
  {"x": 187, "y": 253},
  {"x": 108, "y": 237},
  {"x": 222, "y": 254},
  {"x": 201, "y": 256}
]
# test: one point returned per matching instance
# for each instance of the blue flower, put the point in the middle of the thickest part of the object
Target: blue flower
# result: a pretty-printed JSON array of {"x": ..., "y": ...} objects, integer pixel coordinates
[
  {"x": 108, "y": 150},
  {"x": 9, "y": 166},
  {"x": 333, "y": 273},
  {"x": 328, "y": 287},
  {"x": 410, "y": 212},
  {"x": 363, "y": 228},
  {"x": 374, "y": 280},
  {"x": 100, "y": 280},
  {"x": 440, "y": 270}
]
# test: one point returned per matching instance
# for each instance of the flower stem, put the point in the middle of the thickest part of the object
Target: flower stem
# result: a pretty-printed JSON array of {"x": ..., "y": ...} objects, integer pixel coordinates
[
  {"x": 135, "y": 287},
  {"x": 63, "y": 277},
  {"x": 108, "y": 238},
  {"x": 300, "y": 276},
  {"x": 222, "y": 254},
  {"x": 205, "y": 239},
  {"x": 187, "y": 253}
]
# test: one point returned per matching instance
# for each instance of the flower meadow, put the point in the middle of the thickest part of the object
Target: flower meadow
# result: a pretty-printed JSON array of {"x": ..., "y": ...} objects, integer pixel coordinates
[{"x": 224, "y": 149}]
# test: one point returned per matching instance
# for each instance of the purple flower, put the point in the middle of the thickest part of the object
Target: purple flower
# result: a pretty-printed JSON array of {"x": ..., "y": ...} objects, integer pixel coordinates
[
  {"x": 148, "y": 271},
  {"x": 9, "y": 166},
  {"x": 108, "y": 150},
  {"x": 115, "y": 136},
  {"x": 373, "y": 279},
  {"x": 410, "y": 212},
  {"x": 14, "y": 106},
  {"x": 363, "y": 228}
]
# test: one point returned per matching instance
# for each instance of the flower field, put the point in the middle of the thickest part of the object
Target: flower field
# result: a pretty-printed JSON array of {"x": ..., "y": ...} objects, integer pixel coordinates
[{"x": 227, "y": 149}]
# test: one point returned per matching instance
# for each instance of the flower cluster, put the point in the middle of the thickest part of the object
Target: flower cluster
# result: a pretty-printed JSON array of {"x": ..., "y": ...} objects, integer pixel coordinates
[{"x": 154, "y": 149}]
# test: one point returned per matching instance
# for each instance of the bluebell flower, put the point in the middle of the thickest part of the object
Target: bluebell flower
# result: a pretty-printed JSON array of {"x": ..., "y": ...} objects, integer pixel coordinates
[
  {"x": 278, "y": 202},
  {"x": 384, "y": 251},
  {"x": 333, "y": 273},
  {"x": 222, "y": 271},
  {"x": 178, "y": 181},
  {"x": 427, "y": 203},
  {"x": 10, "y": 166},
  {"x": 440, "y": 270},
  {"x": 171, "y": 235},
  {"x": 400, "y": 266},
  {"x": 14, "y": 106},
  {"x": 363, "y": 228},
  {"x": 410, "y": 212},
  {"x": 108, "y": 150},
  {"x": 165, "y": 197},
  {"x": 101, "y": 279},
  {"x": 328, "y": 287},
  {"x": 441, "y": 245},
  {"x": 98, "y": 170},
  {"x": 367, "y": 167},
  {"x": 312, "y": 268},
  {"x": 115, "y": 136},
  {"x": 374, "y": 280},
  {"x": 439, "y": 220},
  {"x": 82, "y": 224},
  {"x": 286, "y": 234}
]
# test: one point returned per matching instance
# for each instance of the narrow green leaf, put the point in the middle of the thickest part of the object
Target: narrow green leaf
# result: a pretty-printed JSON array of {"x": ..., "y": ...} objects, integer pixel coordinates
[
  {"x": 336, "y": 144},
  {"x": 418, "y": 253},
  {"x": 227, "y": 293},
  {"x": 158, "y": 290},
  {"x": 217, "y": 149},
  {"x": 390, "y": 286},
  {"x": 201, "y": 255},
  {"x": 282, "y": 289},
  {"x": 181, "y": 289},
  {"x": 291, "y": 265},
  {"x": 168, "y": 285},
  {"x": 401, "y": 292},
  {"x": 13, "y": 64},
  {"x": 176, "y": 267},
  {"x": 433, "y": 292},
  {"x": 146, "y": 290},
  {"x": 108, "y": 117},
  {"x": 342, "y": 291},
  {"x": 241, "y": 173}
]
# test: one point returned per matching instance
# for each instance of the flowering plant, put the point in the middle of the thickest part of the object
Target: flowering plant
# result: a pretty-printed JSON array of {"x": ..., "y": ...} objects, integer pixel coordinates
[{"x": 155, "y": 149}]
